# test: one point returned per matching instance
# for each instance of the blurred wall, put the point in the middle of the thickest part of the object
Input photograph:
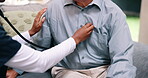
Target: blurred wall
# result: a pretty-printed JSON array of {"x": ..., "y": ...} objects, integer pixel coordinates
[
  {"x": 130, "y": 7},
  {"x": 143, "y": 35}
]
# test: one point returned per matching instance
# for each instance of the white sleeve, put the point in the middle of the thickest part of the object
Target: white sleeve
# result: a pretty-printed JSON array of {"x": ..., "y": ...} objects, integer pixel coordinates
[
  {"x": 19, "y": 39},
  {"x": 30, "y": 60}
]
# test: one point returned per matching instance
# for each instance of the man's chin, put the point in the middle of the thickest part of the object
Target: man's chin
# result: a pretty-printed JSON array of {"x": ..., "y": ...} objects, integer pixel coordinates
[{"x": 79, "y": 1}]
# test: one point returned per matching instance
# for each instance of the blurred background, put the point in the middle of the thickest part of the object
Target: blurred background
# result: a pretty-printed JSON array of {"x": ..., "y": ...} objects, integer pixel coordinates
[
  {"x": 137, "y": 18},
  {"x": 134, "y": 9}
]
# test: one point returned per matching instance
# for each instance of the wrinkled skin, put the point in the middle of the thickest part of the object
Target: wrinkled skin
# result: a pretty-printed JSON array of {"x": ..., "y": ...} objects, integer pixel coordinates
[{"x": 82, "y": 3}]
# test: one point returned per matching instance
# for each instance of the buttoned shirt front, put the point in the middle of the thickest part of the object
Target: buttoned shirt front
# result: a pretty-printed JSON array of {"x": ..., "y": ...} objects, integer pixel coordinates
[{"x": 109, "y": 44}]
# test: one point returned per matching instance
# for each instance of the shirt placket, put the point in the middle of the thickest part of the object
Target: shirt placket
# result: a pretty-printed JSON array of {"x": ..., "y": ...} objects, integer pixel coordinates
[{"x": 81, "y": 22}]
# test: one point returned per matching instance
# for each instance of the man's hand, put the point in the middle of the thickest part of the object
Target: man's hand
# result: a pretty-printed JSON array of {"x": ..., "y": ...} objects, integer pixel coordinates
[
  {"x": 83, "y": 33},
  {"x": 38, "y": 21},
  {"x": 11, "y": 73}
]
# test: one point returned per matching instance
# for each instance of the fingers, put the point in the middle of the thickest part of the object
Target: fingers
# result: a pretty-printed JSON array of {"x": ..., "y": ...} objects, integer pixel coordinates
[
  {"x": 90, "y": 32},
  {"x": 39, "y": 16},
  {"x": 90, "y": 28},
  {"x": 88, "y": 25},
  {"x": 42, "y": 21},
  {"x": 40, "y": 13}
]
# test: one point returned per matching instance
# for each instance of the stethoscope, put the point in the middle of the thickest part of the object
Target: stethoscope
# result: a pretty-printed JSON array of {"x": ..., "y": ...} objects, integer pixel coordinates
[{"x": 6, "y": 19}]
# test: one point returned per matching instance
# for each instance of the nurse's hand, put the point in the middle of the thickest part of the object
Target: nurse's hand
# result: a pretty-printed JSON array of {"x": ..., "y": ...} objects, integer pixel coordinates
[
  {"x": 83, "y": 33},
  {"x": 38, "y": 22}
]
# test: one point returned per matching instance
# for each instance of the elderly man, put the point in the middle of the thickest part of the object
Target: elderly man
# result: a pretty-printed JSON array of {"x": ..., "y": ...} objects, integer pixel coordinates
[{"x": 107, "y": 53}]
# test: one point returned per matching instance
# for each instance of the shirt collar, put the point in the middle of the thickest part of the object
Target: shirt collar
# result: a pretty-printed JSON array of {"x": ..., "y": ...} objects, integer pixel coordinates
[
  {"x": 94, "y": 2},
  {"x": 68, "y": 2}
]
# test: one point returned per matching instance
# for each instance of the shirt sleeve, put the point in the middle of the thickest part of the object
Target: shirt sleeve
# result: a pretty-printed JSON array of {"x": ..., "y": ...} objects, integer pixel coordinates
[
  {"x": 19, "y": 39},
  {"x": 121, "y": 49},
  {"x": 30, "y": 60},
  {"x": 20, "y": 72}
]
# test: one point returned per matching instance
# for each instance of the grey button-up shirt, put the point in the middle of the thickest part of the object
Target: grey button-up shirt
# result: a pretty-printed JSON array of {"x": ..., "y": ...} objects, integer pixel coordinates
[{"x": 109, "y": 44}]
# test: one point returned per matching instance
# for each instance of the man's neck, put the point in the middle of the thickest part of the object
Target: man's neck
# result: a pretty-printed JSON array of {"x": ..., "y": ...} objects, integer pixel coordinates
[{"x": 83, "y": 4}]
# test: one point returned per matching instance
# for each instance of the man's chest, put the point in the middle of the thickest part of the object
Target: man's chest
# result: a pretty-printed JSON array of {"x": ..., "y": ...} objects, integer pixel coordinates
[{"x": 69, "y": 21}]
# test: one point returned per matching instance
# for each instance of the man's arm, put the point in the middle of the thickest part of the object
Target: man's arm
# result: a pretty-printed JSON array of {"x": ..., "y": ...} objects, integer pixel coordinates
[
  {"x": 120, "y": 48},
  {"x": 43, "y": 37}
]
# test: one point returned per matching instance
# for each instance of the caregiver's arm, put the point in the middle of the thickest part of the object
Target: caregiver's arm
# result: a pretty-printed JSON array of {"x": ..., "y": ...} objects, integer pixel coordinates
[{"x": 30, "y": 60}]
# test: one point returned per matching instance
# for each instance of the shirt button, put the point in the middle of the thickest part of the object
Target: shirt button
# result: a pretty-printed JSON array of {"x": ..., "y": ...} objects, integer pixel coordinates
[
  {"x": 82, "y": 9},
  {"x": 83, "y": 57}
]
